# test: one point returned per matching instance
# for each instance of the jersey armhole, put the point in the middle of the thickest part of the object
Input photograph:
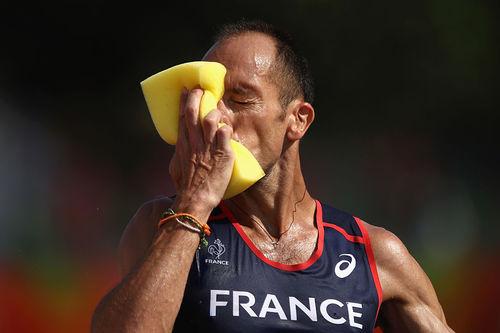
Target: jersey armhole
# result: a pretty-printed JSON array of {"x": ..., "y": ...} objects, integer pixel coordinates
[{"x": 371, "y": 261}]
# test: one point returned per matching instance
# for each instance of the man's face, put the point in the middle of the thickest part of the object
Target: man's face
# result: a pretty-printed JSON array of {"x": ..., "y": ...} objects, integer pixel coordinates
[{"x": 251, "y": 99}]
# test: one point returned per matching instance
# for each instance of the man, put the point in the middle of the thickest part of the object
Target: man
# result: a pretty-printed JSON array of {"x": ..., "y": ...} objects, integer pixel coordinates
[{"x": 277, "y": 259}]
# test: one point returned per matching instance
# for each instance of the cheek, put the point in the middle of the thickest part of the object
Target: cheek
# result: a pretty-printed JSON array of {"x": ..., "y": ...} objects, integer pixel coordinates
[{"x": 263, "y": 137}]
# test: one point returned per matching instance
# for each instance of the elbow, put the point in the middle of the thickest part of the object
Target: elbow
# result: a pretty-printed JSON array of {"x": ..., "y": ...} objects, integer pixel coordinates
[
  {"x": 97, "y": 324},
  {"x": 104, "y": 319}
]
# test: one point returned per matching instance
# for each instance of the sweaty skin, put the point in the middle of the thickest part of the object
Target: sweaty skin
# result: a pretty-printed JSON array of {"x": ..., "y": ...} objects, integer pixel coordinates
[{"x": 155, "y": 263}]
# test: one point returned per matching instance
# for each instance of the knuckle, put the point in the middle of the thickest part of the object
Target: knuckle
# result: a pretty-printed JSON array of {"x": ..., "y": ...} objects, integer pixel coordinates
[
  {"x": 190, "y": 109},
  {"x": 196, "y": 158},
  {"x": 226, "y": 130},
  {"x": 222, "y": 152},
  {"x": 219, "y": 154},
  {"x": 204, "y": 165},
  {"x": 193, "y": 160},
  {"x": 182, "y": 114},
  {"x": 208, "y": 118},
  {"x": 210, "y": 122}
]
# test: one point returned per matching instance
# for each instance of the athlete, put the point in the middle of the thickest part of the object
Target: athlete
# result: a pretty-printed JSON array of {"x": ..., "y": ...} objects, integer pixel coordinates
[{"x": 277, "y": 260}]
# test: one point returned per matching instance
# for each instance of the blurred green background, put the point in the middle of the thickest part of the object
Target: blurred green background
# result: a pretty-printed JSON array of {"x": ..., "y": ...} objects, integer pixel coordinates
[{"x": 405, "y": 137}]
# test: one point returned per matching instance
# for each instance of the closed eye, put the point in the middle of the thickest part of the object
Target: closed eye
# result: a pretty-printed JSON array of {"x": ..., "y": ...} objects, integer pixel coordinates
[{"x": 241, "y": 102}]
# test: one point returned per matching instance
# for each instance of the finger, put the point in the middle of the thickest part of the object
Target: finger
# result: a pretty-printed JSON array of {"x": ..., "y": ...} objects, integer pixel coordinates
[
  {"x": 182, "y": 103},
  {"x": 182, "y": 133},
  {"x": 210, "y": 125},
  {"x": 223, "y": 137},
  {"x": 192, "y": 109}
]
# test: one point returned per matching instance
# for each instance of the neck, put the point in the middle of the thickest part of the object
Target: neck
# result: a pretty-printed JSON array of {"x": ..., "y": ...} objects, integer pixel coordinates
[{"x": 274, "y": 198}]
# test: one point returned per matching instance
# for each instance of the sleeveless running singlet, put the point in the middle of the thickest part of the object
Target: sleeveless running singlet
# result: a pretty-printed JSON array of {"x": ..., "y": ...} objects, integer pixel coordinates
[{"x": 233, "y": 287}]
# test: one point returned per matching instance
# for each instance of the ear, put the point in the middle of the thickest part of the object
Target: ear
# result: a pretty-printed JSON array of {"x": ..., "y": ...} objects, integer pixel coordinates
[{"x": 301, "y": 116}]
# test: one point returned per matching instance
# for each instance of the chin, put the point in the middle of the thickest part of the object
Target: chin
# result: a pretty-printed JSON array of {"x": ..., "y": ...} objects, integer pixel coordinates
[{"x": 268, "y": 167}]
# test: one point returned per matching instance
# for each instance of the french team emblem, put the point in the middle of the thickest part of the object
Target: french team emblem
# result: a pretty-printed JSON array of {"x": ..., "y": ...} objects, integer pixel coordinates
[{"x": 217, "y": 249}]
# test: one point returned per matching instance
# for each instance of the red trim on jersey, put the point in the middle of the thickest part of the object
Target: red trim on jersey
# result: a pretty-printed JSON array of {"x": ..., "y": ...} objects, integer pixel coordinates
[
  {"x": 371, "y": 260},
  {"x": 217, "y": 217},
  {"x": 296, "y": 267},
  {"x": 351, "y": 238}
]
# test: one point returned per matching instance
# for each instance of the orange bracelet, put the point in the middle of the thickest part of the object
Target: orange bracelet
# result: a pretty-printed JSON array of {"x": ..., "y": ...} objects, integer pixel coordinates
[
  {"x": 205, "y": 227},
  {"x": 165, "y": 219},
  {"x": 203, "y": 230}
]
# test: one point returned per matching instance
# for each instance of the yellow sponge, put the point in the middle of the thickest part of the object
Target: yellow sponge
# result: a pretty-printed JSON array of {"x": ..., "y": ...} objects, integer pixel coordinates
[{"x": 162, "y": 92}]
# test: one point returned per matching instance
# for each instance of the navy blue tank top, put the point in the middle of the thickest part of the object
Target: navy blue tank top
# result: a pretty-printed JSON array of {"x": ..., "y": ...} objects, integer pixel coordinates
[{"x": 233, "y": 287}]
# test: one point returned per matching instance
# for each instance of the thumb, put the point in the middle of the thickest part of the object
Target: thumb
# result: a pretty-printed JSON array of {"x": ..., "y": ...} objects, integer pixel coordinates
[{"x": 224, "y": 134}]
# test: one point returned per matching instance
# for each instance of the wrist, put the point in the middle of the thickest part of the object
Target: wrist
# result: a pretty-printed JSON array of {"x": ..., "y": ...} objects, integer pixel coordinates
[
  {"x": 189, "y": 222},
  {"x": 199, "y": 209}
]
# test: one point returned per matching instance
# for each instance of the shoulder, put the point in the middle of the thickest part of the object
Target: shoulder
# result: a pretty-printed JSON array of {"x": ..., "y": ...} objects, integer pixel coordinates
[
  {"x": 402, "y": 279},
  {"x": 389, "y": 251},
  {"x": 396, "y": 266},
  {"x": 139, "y": 232}
]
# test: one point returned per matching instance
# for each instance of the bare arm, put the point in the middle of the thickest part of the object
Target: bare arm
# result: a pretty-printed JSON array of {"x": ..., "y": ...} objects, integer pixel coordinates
[
  {"x": 409, "y": 302},
  {"x": 149, "y": 296},
  {"x": 156, "y": 263}
]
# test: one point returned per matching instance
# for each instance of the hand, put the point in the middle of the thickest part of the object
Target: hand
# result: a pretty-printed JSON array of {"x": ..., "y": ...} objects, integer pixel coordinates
[{"x": 203, "y": 160}]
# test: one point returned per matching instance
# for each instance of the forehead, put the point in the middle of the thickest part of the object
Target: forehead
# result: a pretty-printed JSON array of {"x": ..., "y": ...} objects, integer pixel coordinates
[{"x": 248, "y": 57}]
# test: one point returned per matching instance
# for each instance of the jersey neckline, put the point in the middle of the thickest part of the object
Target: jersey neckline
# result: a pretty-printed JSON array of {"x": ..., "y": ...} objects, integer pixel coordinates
[{"x": 318, "y": 251}]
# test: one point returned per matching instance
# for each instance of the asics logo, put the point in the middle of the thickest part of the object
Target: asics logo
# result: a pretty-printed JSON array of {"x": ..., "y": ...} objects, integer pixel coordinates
[{"x": 343, "y": 271}]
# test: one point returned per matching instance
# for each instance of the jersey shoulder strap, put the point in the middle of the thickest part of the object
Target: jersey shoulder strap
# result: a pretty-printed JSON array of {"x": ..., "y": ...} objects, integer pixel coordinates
[{"x": 341, "y": 219}]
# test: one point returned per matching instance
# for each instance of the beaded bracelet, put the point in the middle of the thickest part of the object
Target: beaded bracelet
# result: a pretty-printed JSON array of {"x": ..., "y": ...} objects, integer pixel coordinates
[{"x": 189, "y": 222}]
